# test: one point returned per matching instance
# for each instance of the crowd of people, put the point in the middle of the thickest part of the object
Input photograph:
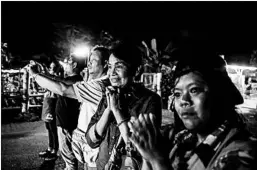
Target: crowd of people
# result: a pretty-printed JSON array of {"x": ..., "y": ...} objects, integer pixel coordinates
[{"x": 109, "y": 121}]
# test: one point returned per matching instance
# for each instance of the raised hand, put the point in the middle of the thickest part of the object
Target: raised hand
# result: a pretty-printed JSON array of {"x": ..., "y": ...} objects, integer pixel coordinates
[
  {"x": 113, "y": 98},
  {"x": 145, "y": 136},
  {"x": 49, "y": 117},
  {"x": 34, "y": 68}
]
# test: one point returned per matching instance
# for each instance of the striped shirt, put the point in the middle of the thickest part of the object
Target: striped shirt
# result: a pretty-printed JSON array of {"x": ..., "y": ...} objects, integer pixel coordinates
[{"x": 89, "y": 94}]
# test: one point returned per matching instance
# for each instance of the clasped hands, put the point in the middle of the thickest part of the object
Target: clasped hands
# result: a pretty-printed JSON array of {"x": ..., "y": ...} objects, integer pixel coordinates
[{"x": 113, "y": 99}]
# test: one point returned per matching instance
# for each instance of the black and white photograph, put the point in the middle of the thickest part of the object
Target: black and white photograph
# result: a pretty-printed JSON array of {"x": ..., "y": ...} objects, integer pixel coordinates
[{"x": 128, "y": 85}]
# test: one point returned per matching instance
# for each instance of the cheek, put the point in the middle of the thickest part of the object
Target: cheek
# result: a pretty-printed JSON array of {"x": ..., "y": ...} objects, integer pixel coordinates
[
  {"x": 122, "y": 74},
  {"x": 203, "y": 107},
  {"x": 176, "y": 106}
]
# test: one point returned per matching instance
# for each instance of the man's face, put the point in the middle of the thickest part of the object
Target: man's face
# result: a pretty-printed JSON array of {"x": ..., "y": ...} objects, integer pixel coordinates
[
  {"x": 68, "y": 66},
  {"x": 192, "y": 101},
  {"x": 117, "y": 72},
  {"x": 51, "y": 68},
  {"x": 95, "y": 65}
]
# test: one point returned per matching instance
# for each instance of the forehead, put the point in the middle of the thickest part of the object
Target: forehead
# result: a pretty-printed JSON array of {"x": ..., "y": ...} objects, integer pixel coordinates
[
  {"x": 188, "y": 79},
  {"x": 114, "y": 60},
  {"x": 95, "y": 55}
]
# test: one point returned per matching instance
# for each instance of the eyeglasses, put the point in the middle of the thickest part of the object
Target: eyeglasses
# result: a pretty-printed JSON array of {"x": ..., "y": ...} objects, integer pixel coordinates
[{"x": 68, "y": 60}]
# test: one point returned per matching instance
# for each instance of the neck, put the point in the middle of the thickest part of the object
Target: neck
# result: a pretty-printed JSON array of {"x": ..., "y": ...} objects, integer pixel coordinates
[
  {"x": 71, "y": 74},
  {"x": 95, "y": 76},
  {"x": 200, "y": 138}
]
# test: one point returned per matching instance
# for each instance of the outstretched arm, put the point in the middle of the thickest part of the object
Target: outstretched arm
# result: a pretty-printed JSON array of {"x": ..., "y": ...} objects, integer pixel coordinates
[
  {"x": 56, "y": 86},
  {"x": 63, "y": 88}
]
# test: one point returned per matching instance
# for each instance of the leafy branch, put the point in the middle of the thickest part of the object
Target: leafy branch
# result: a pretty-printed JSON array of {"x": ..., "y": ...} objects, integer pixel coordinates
[{"x": 155, "y": 58}]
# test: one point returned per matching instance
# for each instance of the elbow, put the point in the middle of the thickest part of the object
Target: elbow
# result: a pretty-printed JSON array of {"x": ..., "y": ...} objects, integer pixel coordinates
[
  {"x": 91, "y": 143},
  {"x": 63, "y": 88}
]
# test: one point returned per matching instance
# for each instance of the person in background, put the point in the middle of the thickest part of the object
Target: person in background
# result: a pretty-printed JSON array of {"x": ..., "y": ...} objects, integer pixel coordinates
[
  {"x": 67, "y": 109},
  {"x": 123, "y": 100},
  {"x": 89, "y": 93},
  {"x": 248, "y": 87},
  {"x": 208, "y": 133},
  {"x": 49, "y": 116}
]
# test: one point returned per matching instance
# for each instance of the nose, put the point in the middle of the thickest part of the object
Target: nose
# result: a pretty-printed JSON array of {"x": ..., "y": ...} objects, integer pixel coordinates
[
  {"x": 185, "y": 100},
  {"x": 112, "y": 71},
  {"x": 89, "y": 63}
]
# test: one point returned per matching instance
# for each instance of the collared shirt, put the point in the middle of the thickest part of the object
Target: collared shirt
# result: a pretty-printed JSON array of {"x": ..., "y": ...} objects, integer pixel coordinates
[
  {"x": 233, "y": 148},
  {"x": 137, "y": 100}
]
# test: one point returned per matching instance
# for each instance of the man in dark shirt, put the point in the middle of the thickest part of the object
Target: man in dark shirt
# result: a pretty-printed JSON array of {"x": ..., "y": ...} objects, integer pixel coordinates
[
  {"x": 67, "y": 109},
  {"x": 124, "y": 99}
]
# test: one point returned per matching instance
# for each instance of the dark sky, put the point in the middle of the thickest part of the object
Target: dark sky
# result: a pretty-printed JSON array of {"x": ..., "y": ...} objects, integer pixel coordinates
[{"x": 231, "y": 26}]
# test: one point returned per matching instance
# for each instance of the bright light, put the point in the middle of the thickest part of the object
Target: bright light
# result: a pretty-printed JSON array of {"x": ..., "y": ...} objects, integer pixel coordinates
[
  {"x": 81, "y": 51},
  {"x": 241, "y": 67}
]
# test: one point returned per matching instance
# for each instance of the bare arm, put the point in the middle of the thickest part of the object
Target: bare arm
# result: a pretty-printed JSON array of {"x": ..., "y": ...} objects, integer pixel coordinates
[
  {"x": 155, "y": 165},
  {"x": 98, "y": 129},
  {"x": 113, "y": 100},
  {"x": 56, "y": 86}
]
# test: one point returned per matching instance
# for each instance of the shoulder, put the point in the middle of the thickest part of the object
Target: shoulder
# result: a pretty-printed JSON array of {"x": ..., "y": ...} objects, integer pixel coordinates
[
  {"x": 142, "y": 91},
  {"x": 240, "y": 153},
  {"x": 75, "y": 78}
]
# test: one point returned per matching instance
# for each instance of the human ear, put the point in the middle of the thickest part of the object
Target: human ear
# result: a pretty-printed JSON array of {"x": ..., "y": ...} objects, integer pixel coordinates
[{"x": 74, "y": 65}]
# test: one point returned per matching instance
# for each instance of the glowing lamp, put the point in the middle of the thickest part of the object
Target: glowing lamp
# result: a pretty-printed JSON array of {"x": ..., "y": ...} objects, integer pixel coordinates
[{"x": 81, "y": 51}]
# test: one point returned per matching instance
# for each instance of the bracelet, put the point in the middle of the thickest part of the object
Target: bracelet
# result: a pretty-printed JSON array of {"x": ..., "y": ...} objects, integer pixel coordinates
[{"x": 124, "y": 120}]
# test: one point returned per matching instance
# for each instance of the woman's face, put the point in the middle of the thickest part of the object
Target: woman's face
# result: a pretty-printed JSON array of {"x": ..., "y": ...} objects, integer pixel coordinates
[
  {"x": 192, "y": 101},
  {"x": 117, "y": 72}
]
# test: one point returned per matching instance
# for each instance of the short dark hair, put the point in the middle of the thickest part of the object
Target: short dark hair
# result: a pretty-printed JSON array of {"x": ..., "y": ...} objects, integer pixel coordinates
[
  {"x": 80, "y": 63},
  {"x": 105, "y": 52},
  {"x": 211, "y": 66},
  {"x": 129, "y": 53}
]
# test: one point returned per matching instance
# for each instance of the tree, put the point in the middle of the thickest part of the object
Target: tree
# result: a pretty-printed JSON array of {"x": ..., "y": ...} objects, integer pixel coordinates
[{"x": 68, "y": 36}]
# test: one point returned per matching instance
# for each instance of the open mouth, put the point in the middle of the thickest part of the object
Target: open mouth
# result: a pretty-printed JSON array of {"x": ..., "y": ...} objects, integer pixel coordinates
[
  {"x": 186, "y": 115},
  {"x": 114, "y": 80}
]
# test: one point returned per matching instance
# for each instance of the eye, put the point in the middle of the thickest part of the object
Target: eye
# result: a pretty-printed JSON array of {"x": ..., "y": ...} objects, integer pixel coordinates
[
  {"x": 195, "y": 90},
  {"x": 177, "y": 94},
  {"x": 119, "y": 67}
]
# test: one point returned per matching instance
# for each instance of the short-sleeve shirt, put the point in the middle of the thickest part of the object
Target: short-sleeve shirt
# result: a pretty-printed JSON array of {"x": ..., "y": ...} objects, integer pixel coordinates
[{"x": 89, "y": 94}]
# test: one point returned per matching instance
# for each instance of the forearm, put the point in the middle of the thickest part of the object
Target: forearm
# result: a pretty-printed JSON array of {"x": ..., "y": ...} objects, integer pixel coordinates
[
  {"x": 160, "y": 164},
  {"x": 55, "y": 86},
  {"x": 96, "y": 132},
  {"x": 122, "y": 124},
  {"x": 146, "y": 165}
]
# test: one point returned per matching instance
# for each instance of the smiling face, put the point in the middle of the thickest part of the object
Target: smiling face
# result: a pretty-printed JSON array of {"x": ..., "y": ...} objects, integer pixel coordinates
[
  {"x": 95, "y": 65},
  {"x": 192, "y": 101},
  {"x": 117, "y": 72}
]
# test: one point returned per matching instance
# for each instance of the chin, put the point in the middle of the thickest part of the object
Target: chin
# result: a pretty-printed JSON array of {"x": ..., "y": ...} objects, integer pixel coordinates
[
  {"x": 190, "y": 125},
  {"x": 115, "y": 84}
]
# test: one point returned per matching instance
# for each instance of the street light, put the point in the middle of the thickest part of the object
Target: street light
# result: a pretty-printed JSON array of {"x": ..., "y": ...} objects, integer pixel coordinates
[{"x": 81, "y": 51}]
